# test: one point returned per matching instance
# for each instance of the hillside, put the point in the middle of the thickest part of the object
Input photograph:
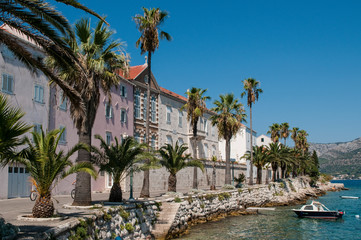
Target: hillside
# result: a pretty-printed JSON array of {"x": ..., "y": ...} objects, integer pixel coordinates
[{"x": 339, "y": 158}]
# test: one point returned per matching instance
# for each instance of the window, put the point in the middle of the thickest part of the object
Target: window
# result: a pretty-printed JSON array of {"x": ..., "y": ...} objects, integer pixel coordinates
[
  {"x": 213, "y": 128},
  {"x": 123, "y": 115},
  {"x": 62, "y": 139},
  {"x": 180, "y": 141},
  {"x": 145, "y": 106},
  {"x": 37, "y": 128},
  {"x": 205, "y": 126},
  {"x": 63, "y": 101},
  {"x": 180, "y": 118},
  {"x": 169, "y": 140},
  {"x": 169, "y": 110},
  {"x": 8, "y": 83},
  {"x": 206, "y": 150},
  {"x": 137, "y": 104},
  {"x": 214, "y": 151},
  {"x": 123, "y": 91},
  {"x": 154, "y": 109},
  {"x": 145, "y": 138},
  {"x": 108, "y": 110},
  {"x": 108, "y": 137},
  {"x": 152, "y": 143},
  {"x": 38, "y": 94},
  {"x": 137, "y": 137},
  {"x": 262, "y": 139}
]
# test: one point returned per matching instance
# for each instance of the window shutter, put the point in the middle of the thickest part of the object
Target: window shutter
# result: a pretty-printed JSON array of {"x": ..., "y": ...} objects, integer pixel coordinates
[
  {"x": 5, "y": 82},
  {"x": 125, "y": 91},
  {"x": 10, "y": 83},
  {"x": 111, "y": 112},
  {"x": 125, "y": 116}
]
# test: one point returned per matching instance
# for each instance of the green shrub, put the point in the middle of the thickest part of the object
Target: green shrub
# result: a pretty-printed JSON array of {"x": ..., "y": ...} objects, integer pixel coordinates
[
  {"x": 124, "y": 214},
  {"x": 129, "y": 227},
  {"x": 209, "y": 197},
  {"x": 293, "y": 189},
  {"x": 269, "y": 186},
  {"x": 223, "y": 196},
  {"x": 202, "y": 205},
  {"x": 158, "y": 204},
  {"x": 228, "y": 187},
  {"x": 107, "y": 217},
  {"x": 249, "y": 190},
  {"x": 190, "y": 199},
  {"x": 282, "y": 185},
  {"x": 177, "y": 200},
  {"x": 113, "y": 236}
]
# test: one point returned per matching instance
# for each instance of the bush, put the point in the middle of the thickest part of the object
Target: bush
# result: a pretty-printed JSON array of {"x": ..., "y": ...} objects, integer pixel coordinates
[
  {"x": 124, "y": 214},
  {"x": 228, "y": 187},
  {"x": 177, "y": 200},
  {"x": 129, "y": 227},
  {"x": 7, "y": 229}
]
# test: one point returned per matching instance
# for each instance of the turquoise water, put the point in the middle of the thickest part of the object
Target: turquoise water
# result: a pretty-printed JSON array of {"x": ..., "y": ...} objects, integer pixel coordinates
[{"x": 284, "y": 224}]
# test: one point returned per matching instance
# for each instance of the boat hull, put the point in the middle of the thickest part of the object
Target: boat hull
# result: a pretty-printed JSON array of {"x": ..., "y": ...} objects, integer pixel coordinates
[{"x": 319, "y": 214}]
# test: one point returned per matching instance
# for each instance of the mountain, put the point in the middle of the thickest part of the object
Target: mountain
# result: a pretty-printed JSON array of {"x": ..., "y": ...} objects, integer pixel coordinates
[{"x": 341, "y": 158}]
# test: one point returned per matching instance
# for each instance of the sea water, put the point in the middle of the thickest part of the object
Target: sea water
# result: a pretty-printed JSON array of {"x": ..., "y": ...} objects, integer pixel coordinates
[{"x": 284, "y": 224}]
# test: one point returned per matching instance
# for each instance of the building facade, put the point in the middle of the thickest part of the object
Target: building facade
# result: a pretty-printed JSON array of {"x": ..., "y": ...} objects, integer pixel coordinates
[{"x": 28, "y": 91}]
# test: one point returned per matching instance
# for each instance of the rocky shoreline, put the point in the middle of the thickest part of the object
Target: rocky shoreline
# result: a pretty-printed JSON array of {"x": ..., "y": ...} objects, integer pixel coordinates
[{"x": 203, "y": 208}]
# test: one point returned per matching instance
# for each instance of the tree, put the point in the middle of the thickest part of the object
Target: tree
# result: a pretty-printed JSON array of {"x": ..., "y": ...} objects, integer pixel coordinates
[
  {"x": 46, "y": 167},
  {"x": 274, "y": 130},
  {"x": 260, "y": 159},
  {"x": 284, "y": 131},
  {"x": 252, "y": 91},
  {"x": 195, "y": 106},
  {"x": 277, "y": 154},
  {"x": 99, "y": 56},
  {"x": 118, "y": 160},
  {"x": 11, "y": 129},
  {"x": 174, "y": 160},
  {"x": 301, "y": 141},
  {"x": 149, "y": 27},
  {"x": 294, "y": 134},
  {"x": 213, "y": 184},
  {"x": 229, "y": 118},
  {"x": 47, "y": 27}
]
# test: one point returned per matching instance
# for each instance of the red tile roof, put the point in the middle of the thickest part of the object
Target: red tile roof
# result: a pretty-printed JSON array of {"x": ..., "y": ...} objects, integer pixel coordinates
[
  {"x": 133, "y": 71},
  {"x": 173, "y": 94}
]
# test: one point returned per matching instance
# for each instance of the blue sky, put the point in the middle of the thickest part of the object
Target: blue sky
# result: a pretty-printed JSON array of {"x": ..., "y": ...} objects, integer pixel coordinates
[{"x": 306, "y": 54}]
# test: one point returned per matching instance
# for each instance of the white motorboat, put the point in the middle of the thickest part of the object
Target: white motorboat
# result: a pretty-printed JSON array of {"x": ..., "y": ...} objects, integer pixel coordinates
[
  {"x": 317, "y": 210},
  {"x": 349, "y": 197}
]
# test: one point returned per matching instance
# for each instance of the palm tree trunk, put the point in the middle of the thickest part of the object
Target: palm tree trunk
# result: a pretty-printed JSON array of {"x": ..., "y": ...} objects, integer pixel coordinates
[
  {"x": 259, "y": 175},
  {"x": 274, "y": 173},
  {"x": 116, "y": 194},
  {"x": 44, "y": 207},
  {"x": 83, "y": 179},
  {"x": 172, "y": 183},
  {"x": 267, "y": 176},
  {"x": 213, "y": 185},
  {"x": 250, "y": 182},
  {"x": 145, "y": 188},
  {"x": 228, "y": 162},
  {"x": 195, "y": 170}
]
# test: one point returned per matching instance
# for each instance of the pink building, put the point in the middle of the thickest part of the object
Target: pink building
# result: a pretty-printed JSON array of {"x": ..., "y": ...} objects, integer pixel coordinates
[{"x": 114, "y": 119}]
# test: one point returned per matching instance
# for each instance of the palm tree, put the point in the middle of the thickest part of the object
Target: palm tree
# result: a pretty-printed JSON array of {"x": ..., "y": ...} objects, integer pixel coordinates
[
  {"x": 11, "y": 128},
  {"x": 149, "y": 27},
  {"x": 294, "y": 134},
  {"x": 46, "y": 167},
  {"x": 274, "y": 130},
  {"x": 100, "y": 56},
  {"x": 260, "y": 159},
  {"x": 174, "y": 160},
  {"x": 196, "y": 106},
  {"x": 301, "y": 140},
  {"x": 213, "y": 184},
  {"x": 118, "y": 160},
  {"x": 277, "y": 154},
  {"x": 229, "y": 118},
  {"x": 45, "y": 26},
  {"x": 284, "y": 131},
  {"x": 250, "y": 87}
]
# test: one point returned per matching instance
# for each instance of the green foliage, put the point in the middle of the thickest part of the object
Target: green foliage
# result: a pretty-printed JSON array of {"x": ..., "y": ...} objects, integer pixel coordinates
[
  {"x": 209, "y": 196},
  {"x": 280, "y": 193},
  {"x": 224, "y": 195},
  {"x": 249, "y": 190},
  {"x": 158, "y": 204},
  {"x": 124, "y": 214},
  {"x": 129, "y": 227},
  {"x": 81, "y": 231},
  {"x": 293, "y": 189},
  {"x": 113, "y": 235},
  {"x": 240, "y": 191},
  {"x": 269, "y": 186},
  {"x": 7, "y": 229},
  {"x": 177, "y": 200},
  {"x": 106, "y": 216},
  {"x": 202, "y": 205},
  {"x": 122, "y": 227},
  {"x": 228, "y": 187},
  {"x": 282, "y": 185},
  {"x": 189, "y": 199}
]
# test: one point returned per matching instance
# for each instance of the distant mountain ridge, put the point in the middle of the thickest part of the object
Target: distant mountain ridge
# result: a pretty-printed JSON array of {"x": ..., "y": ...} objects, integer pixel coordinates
[{"x": 341, "y": 158}]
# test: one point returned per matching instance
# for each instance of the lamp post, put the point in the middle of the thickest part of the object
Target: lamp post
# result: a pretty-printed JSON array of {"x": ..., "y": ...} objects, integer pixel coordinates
[
  {"x": 233, "y": 160},
  {"x": 131, "y": 185}
]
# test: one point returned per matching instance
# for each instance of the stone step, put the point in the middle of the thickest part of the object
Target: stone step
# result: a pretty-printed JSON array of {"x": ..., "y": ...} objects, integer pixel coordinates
[{"x": 165, "y": 219}]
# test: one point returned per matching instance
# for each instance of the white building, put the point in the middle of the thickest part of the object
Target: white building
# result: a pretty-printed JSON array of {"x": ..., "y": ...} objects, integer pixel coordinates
[{"x": 263, "y": 140}]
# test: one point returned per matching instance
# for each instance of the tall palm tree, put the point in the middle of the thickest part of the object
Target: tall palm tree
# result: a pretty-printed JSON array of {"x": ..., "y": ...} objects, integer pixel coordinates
[
  {"x": 229, "y": 118},
  {"x": 260, "y": 159},
  {"x": 301, "y": 140},
  {"x": 46, "y": 167},
  {"x": 196, "y": 107},
  {"x": 213, "y": 184},
  {"x": 174, "y": 160},
  {"x": 252, "y": 90},
  {"x": 149, "y": 27},
  {"x": 274, "y": 130},
  {"x": 11, "y": 129},
  {"x": 45, "y": 26},
  {"x": 118, "y": 160},
  {"x": 100, "y": 56},
  {"x": 294, "y": 134},
  {"x": 284, "y": 131}
]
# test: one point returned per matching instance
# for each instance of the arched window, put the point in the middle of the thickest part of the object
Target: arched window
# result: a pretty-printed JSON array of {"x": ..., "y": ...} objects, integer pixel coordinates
[{"x": 137, "y": 104}]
